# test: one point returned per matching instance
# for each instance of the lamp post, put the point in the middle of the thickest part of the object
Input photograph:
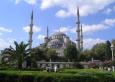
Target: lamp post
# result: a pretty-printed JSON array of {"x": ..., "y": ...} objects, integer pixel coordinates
[
  {"x": 50, "y": 62},
  {"x": 112, "y": 49}
]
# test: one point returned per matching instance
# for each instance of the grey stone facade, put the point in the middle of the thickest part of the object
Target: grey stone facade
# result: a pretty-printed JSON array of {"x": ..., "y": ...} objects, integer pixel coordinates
[{"x": 57, "y": 41}]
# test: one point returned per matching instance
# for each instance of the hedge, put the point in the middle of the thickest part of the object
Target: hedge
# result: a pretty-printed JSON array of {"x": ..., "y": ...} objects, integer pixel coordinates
[{"x": 40, "y": 76}]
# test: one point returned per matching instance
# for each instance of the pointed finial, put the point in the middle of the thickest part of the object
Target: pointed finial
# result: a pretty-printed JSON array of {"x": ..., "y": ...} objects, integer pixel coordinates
[
  {"x": 78, "y": 9},
  {"x": 47, "y": 32},
  {"x": 78, "y": 12},
  {"x": 81, "y": 32},
  {"x": 32, "y": 15}
]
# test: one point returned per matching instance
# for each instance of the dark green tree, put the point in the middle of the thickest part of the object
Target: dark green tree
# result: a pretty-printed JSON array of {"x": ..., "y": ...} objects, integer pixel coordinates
[
  {"x": 108, "y": 50},
  {"x": 37, "y": 55},
  {"x": 71, "y": 53},
  {"x": 101, "y": 51},
  {"x": 51, "y": 54},
  {"x": 17, "y": 53},
  {"x": 113, "y": 42},
  {"x": 85, "y": 55}
]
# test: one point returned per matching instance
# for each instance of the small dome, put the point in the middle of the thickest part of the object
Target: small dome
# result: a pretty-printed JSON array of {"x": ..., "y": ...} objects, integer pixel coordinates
[{"x": 45, "y": 37}]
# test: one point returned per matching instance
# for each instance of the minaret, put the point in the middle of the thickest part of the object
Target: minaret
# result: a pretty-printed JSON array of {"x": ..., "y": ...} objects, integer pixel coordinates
[
  {"x": 46, "y": 39},
  {"x": 81, "y": 38},
  {"x": 47, "y": 32},
  {"x": 31, "y": 31},
  {"x": 78, "y": 30}
]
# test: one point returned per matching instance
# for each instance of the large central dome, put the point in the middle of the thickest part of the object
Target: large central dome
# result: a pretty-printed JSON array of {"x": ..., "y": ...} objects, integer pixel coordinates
[{"x": 58, "y": 35}]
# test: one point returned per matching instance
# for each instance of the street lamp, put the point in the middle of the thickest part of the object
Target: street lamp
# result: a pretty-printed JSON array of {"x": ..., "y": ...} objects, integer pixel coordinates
[
  {"x": 50, "y": 62},
  {"x": 112, "y": 49}
]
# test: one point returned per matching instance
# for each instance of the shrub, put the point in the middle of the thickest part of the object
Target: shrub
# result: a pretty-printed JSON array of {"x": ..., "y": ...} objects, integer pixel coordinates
[{"x": 67, "y": 75}]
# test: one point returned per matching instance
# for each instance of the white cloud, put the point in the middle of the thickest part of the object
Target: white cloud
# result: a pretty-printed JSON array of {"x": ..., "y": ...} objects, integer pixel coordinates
[
  {"x": 93, "y": 28},
  {"x": 107, "y": 23},
  {"x": 2, "y": 29},
  {"x": 89, "y": 43},
  {"x": 5, "y": 43},
  {"x": 69, "y": 7},
  {"x": 41, "y": 37},
  {"x": 17, "y": 1},
  {"x": 62, "y": 29},
  {"x": 35, "y": 28},
  {"x": 62, "y": 13},
  {"x": 31, "y": 2},
  {"x": 103, "y": 25},
  {"x": 47, "y": 3}
]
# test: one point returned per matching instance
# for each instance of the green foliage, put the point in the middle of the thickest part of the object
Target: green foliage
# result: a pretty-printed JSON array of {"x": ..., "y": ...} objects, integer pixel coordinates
[
  {"x": 71, "y": 53},
  {"x": 108, "y": 50},
  {"x": 101, "y": 51},
  {"x": 66, "y": 75},
  {"x": 78, "y": 65},
  {"x": 113, "y": 42},
  {"x": 16, "y": 55},
  {"x": 86, "y": 55},
  {"x": 36, "y": 55},
  {"x": 52, "y": 54}
]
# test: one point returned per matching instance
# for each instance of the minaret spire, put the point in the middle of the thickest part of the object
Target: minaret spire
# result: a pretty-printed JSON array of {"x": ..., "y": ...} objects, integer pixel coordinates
[
  {"x": 47, "y": 32},
  {"x": 31, "y": 31},
  {"x": 81, "y": 38},
  {"x": 78, "y": 30}
]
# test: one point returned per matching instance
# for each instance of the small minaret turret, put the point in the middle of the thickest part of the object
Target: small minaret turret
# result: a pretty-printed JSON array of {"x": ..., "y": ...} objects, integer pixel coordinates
[
  {"x": 78, "y": 30},
  {"x": 31, "y": 31},
  {"x": 81, "y": 38}
]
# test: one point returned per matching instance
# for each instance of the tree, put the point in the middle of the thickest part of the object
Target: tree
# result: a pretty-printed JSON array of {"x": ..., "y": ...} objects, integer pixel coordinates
[
  {"x": 37, "y": 55},
  {"x": 113, "y": 42},
  {"x": 85, "y": 55},
  {"x": 51, "y": 54},
  {"x": 101, "y": 51},
  {"x": 18, "y": 53},
  {"x": 71, "y": 53},
  {"x": 108, "y": 50}
]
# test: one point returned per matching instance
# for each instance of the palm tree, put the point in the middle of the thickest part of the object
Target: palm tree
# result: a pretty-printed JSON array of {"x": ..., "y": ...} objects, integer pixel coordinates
[{"x": 17, "y": 53}]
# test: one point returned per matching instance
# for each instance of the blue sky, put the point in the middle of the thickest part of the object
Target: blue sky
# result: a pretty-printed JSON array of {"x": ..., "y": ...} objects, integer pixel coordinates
[{"x": 96, "y": 16}]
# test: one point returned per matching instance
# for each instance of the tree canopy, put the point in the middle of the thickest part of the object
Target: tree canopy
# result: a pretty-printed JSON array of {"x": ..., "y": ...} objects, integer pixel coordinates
[
  {"x": 17, "y": 53},
  {"x": 71, "y": 53}
]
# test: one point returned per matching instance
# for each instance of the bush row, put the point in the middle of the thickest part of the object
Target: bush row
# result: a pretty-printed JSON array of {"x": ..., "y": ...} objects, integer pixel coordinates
[{"x": 32, "y": 76}]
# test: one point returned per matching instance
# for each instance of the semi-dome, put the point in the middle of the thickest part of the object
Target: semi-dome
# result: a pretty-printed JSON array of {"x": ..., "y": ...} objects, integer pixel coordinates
[{"x": 55, "y": 43}]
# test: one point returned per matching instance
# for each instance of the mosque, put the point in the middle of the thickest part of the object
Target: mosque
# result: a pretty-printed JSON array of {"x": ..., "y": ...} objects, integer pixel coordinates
[{"x": 59, "y": 41}]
